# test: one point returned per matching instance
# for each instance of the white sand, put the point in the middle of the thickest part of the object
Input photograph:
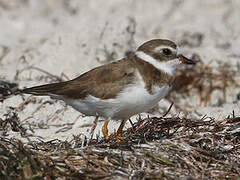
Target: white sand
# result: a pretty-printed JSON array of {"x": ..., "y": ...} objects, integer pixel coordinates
[{"x": 69, "y": 37}]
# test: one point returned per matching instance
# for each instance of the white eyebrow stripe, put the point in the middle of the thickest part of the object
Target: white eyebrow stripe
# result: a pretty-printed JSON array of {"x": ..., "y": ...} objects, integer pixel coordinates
[{"x": 167, "y": 67}]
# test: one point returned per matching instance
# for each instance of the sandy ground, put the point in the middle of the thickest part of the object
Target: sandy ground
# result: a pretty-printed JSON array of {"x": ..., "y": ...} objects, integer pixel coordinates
[{"x": 69, "y": 37}]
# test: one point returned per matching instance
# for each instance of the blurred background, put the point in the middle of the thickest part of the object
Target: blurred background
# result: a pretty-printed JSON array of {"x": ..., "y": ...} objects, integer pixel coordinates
[{"x": 75, "y": 35}]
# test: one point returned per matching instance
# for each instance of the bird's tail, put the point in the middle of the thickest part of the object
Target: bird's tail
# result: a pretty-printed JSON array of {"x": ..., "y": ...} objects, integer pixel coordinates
[{"x": 47, "y": 89}]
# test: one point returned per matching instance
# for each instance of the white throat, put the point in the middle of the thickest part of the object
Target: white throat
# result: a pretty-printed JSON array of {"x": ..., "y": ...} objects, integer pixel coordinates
[{"x": 168, "y": 67}]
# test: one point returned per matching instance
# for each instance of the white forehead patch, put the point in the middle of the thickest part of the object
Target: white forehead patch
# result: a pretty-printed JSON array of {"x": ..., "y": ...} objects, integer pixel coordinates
[{"x": 159, "y": 48}]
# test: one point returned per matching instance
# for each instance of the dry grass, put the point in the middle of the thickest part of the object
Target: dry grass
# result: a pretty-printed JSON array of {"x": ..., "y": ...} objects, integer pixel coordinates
[
  {"x": 167, "y": 148},
  {"x": 203, "y": 80}
]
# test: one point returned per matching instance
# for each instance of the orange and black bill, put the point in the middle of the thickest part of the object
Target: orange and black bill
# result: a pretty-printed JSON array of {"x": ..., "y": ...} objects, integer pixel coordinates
[{"x": 185, "y": 60}]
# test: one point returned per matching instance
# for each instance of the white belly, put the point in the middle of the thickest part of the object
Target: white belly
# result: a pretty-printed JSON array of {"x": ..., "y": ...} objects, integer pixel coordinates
[{"x": 132, "y": 100}]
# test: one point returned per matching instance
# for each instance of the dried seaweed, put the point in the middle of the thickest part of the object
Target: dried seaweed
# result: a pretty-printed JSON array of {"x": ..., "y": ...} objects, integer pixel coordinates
[
  {"x": 203, "y": 80},
  {"x": 11, "y": 122},
  {"x": 173, "y": 148},
  {"x": 7, "y": 89}
]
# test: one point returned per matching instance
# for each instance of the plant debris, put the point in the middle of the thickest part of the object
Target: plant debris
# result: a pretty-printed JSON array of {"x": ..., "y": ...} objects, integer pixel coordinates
[
  {"x": 12, "y": 122},
  {"x": 203, "y": 80},
  {"x": 7, "y": 89},
  {"x": 173, "y": 148}
]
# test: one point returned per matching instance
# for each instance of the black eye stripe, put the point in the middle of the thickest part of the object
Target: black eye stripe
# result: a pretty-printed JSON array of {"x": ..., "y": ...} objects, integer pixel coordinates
[{"x": 167, "y": 51}]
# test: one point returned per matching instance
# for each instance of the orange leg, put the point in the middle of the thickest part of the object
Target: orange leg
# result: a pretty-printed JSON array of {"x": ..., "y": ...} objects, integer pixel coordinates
[
  {"x": 94, "y": 126},
  {"x": 119, "y": 131},
  {"x": 105, "y": 130}
]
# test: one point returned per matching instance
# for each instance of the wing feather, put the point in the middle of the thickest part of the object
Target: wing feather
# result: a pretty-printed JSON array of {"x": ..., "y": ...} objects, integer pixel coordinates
[{"x": 102, "y": 82}]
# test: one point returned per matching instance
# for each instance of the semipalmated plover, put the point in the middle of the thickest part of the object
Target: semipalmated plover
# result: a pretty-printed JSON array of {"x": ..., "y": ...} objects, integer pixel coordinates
[{"x": 122, "y": 88}]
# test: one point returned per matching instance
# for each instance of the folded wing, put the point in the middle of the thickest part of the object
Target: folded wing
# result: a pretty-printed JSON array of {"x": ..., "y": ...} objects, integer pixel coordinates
[{"x": 102, "y": 82}]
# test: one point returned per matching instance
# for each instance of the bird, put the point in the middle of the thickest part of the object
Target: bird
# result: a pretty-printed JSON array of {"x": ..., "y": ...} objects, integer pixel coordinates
[{"x": 123, "y": 88}]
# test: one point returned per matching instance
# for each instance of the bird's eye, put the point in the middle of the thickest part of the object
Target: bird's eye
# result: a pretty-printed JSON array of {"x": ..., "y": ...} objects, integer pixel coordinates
[{"x": 167, "y": 51}]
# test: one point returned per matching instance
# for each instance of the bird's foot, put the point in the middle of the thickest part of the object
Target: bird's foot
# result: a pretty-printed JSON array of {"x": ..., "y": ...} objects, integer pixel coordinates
[
  {"x": 105, "y": 130},
  {"x": 119, "y": 131}
]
